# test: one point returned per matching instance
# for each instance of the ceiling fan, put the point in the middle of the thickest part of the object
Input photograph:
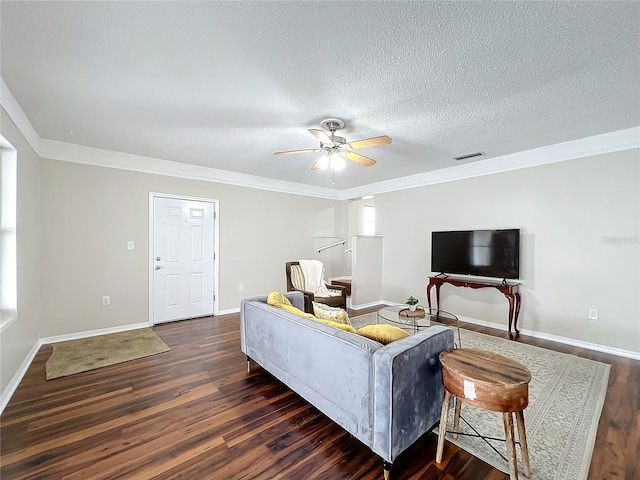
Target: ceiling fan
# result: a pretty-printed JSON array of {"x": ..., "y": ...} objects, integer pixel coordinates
[{"x": 336, "y": 148}]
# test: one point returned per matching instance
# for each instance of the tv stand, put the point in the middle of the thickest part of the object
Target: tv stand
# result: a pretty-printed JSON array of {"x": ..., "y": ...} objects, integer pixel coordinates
[{"x": 511, "y": 292}]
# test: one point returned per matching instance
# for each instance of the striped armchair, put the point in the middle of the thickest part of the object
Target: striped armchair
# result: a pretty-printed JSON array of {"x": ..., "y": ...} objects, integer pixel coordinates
[{"x": 295, "y": 282}]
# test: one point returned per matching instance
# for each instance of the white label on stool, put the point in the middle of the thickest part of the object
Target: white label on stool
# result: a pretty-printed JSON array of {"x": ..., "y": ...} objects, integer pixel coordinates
[{"x": 469, "y": 390}]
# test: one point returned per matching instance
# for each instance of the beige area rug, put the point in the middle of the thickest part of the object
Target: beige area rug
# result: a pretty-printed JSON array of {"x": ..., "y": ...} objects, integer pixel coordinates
[
  {"x": 75, "y": 356},
  {"x": 566, "y": 395}
]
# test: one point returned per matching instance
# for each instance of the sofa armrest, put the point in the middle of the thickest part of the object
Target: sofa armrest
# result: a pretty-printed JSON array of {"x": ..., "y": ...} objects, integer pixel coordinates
[
  {"x": 296, "y": 298},
  {"x": 308, "y": 298},
  {"x": 408, "y": 389}
]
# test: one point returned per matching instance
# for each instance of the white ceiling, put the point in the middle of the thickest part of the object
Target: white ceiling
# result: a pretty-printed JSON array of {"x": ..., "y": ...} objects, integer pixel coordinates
[{"x": 226, "y": 84}]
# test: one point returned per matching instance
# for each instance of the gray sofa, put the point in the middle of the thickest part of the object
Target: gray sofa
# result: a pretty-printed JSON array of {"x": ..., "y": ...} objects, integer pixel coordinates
[{"x": 386, "y": 396}]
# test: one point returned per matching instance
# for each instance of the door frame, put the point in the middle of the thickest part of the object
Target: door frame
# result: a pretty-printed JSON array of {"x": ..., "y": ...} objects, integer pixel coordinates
[{"x": 216, "y": 245}]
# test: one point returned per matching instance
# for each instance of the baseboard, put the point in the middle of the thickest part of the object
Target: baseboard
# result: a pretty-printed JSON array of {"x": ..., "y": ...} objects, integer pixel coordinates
[
  {"x": 92, "y": 333},
  {"x": 228, "y": 311},
  {"x": 17, "y": 378},
  {"x": 557, "y": 338},
  {"x": 579, "y": 343},
  {"x": 482, "y": 323}
]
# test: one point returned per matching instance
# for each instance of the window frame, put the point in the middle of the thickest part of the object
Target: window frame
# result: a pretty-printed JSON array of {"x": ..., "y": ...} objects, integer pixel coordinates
[{"x": 8, "y": 234}]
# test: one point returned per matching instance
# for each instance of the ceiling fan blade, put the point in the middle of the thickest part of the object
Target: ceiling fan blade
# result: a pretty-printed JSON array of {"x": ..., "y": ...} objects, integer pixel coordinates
[
  {"x": 291, "y": 152},
  {"x": 371, "y": 142},
  {"x": 320, "y": 135},
  {"x": 356, "y": 157}
]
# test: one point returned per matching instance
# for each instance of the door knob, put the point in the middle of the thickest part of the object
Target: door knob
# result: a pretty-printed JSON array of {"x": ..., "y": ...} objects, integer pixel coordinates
[
  {"x": 157, "y": 259},
  {"x": 158, "y": 267}
]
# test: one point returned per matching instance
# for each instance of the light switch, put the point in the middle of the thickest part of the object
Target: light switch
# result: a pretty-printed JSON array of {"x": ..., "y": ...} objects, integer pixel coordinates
[{"x": 131, "y": 245}]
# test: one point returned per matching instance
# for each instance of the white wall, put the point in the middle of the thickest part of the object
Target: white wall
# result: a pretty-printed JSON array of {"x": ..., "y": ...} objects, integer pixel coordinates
[
  {"x": 566, "y": 212},
  {"x": 332, "y": 258},
  {"x": 89, "y": 213},
  {"x": 18, "y": 338},
  {"x": 367, "y": 273},
  {"x": 354, "y": 225}
]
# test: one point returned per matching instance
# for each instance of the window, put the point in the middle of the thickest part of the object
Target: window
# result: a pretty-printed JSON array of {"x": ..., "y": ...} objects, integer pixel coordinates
[
  {"x": 8, "y": 262},
  {"x": 369, "y": 217}
]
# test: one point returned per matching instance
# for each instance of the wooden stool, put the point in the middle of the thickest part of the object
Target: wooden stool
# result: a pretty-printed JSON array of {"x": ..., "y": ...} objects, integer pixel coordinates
[{"x": 490, "y": 381}]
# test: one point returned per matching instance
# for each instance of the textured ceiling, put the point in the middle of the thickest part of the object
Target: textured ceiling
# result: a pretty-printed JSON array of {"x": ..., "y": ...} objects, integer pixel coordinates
[{"x": 225, "y": 84}]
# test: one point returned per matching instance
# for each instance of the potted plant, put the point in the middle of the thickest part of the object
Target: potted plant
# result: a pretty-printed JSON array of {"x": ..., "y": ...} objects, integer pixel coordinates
[{"x": 412, "y": 302}]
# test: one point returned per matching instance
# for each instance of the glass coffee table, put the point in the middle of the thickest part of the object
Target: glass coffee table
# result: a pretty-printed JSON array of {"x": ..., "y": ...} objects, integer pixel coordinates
[{"x": 422, "y": 317}]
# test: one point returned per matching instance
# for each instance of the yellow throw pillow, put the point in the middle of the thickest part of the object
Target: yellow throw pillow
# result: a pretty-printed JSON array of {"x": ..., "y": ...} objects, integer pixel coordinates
[
  {"x": 296, "y": 311},
  {"x": 276, "y": 299},
  {"x": 326, "y": 312},
  {"x": 382, "y": 333}
]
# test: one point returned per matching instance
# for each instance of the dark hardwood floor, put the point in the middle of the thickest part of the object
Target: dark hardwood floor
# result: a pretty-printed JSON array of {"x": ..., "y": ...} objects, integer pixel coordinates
[{"x": 195, "y": 413}]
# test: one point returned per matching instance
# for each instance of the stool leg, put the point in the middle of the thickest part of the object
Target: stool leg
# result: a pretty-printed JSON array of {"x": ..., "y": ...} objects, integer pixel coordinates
[
  {"x": 444, "y": 414},
  {"x": 456, "y": 418},
  {"x": 511, "y": 446},
  {"x": 522, "y": 436}
]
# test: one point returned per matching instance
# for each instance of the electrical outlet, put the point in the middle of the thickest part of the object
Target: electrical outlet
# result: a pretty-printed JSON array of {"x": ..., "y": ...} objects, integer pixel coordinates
[
  {"x": 106, "y": 300},
  {"x": 593, "y": 314},
  {"x": 241, "y": 288},
  {"x": 131, "y": 245}
]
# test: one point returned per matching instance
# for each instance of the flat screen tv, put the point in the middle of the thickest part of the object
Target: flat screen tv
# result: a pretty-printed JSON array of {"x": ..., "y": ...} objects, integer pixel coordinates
[{"x": 484, "y": 253}]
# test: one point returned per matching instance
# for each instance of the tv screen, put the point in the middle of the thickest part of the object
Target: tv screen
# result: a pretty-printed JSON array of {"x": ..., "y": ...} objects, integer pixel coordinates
[{"x": 485, "y": 253}]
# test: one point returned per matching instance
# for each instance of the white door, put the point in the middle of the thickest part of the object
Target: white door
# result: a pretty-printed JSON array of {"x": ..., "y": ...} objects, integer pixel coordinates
[{"x": 182, "y": 259}]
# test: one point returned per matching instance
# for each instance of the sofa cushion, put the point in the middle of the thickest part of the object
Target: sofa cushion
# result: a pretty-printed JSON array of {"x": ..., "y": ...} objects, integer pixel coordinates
[
  {"x": 276, "y": 299},
  {"x": 337, "y": 314},
  {"x": 382, "y": 333}
]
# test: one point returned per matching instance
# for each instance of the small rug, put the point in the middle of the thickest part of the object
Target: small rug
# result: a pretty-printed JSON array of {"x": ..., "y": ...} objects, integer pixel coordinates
[
  {"x": 566, "y": 395},
  {"x": 75, "y": 356}
]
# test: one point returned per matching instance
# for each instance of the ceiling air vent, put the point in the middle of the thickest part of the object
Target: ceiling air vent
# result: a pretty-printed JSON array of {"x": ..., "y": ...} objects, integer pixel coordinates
[{"x": 471, "y": 155}]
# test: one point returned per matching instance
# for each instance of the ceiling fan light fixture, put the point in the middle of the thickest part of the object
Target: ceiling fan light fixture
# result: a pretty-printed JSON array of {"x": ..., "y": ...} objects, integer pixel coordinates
[
  {"x": 337, "y": 162},
  {"x": 323, "y": 163},
  {"x": 336, "y": 149}
]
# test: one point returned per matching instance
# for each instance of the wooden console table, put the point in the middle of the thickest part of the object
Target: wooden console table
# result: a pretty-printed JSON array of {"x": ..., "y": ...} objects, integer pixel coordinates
[{"x": 512, "y": 292}]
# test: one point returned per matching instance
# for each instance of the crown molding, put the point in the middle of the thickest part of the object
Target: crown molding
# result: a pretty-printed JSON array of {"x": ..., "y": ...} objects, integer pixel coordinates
[
  {"x": 15, "y": 113},
  {"x": 55, "y": 150},
  {"x": 69, "y": 152},
  {"x": 616, "y": 141}
]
